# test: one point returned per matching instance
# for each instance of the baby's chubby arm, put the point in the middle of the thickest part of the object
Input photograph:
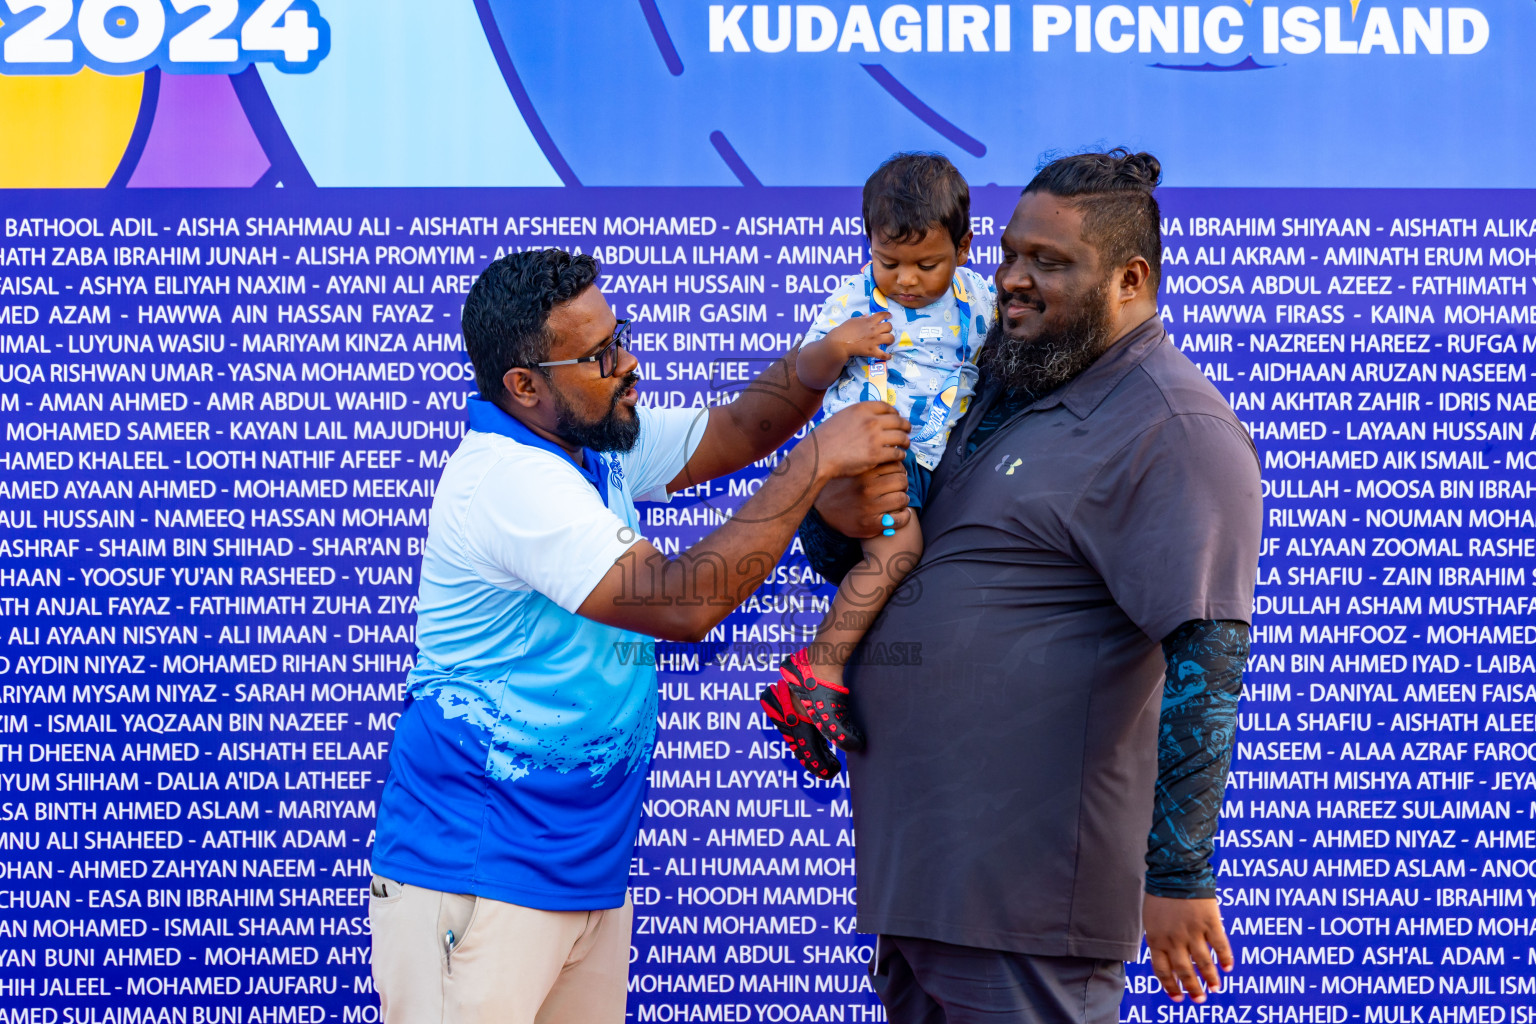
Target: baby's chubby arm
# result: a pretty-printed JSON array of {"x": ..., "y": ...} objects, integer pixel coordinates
[{"x": 819, "y": 363}]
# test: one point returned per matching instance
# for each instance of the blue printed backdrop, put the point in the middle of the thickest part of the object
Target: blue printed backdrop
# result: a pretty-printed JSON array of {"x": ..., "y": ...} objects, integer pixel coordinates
[{"x": 230, "y": 370}]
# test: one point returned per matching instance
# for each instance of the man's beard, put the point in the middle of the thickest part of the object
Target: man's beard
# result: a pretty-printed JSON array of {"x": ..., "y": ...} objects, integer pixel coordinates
[
  {"x": 611, "y": 433},
  {"x": 1041, "y": 365}
]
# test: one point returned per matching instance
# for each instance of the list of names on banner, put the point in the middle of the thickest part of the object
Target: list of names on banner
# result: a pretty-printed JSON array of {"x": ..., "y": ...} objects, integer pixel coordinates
[{"x": 224, "y": 421}]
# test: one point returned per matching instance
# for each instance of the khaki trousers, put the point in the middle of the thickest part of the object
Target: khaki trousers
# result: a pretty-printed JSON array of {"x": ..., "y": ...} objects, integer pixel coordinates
[{"x": 505, "y": 965}]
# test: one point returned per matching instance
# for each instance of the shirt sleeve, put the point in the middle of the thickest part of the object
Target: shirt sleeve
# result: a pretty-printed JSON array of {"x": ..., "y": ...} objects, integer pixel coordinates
[
  {"x": 535, "y": 523},
  {"x": 1171, "y": 523},
  {"x": 1196, "y": 732},
  {"x": 668, "y": 439},
  {"x": 845, "y": 299}
]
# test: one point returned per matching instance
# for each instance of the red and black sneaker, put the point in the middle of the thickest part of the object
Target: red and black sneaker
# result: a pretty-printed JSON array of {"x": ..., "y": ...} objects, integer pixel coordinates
[
  {"x": 803, "y": 738},
  {"x": 826, "y": 703}
]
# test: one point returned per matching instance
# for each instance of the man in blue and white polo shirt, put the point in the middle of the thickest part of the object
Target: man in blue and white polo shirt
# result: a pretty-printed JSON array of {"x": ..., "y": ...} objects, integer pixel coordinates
[{"x": 509, "y": 817}]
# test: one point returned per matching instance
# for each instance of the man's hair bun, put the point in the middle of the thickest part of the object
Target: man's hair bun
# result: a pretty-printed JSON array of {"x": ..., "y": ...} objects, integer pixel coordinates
[
  {"x": 1140, "y": 167},
  {"x": 1118, "y": 170}
]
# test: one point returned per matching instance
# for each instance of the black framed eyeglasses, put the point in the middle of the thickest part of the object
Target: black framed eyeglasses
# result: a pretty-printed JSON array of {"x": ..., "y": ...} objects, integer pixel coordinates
[{"x": 606, "y": 358}]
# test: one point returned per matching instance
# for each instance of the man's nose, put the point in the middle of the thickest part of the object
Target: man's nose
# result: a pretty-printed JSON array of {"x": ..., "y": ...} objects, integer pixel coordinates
[
  {"x": 1014, "y": 278},
  {"x": 626, "y": 363}
]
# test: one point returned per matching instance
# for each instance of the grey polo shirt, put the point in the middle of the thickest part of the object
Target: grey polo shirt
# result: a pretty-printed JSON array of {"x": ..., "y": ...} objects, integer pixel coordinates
[{"x": 1006, "y": 793}]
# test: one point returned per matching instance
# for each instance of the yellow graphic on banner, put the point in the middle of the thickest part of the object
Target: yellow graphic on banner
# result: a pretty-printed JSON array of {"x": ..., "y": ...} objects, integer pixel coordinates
[{"x": 65, "y": 131}]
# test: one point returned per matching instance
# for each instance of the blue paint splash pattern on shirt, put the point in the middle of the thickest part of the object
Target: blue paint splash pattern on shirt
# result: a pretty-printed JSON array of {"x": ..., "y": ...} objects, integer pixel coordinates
[{"x": 523, "y": 732}]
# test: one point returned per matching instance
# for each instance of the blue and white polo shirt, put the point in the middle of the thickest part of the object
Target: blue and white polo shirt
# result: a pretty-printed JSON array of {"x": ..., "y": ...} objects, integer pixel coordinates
[{"x": 519, "y": 764}]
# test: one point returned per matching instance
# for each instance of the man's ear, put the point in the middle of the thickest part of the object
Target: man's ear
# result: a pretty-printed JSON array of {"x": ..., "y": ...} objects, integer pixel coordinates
[
  {"x": 1135, "y": 277},
  {"x": 520, "y": 386}
]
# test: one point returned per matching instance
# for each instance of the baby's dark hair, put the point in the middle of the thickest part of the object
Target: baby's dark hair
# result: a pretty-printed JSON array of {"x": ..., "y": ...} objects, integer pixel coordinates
[
  {"x": 1114, "y": 190},
  {"x": 911, "y": 192}
]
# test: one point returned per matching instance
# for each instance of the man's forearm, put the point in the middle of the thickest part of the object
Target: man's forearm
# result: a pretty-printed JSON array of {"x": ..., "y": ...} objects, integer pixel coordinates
[
  {"x": 684, "y": 597},
  {"x": 775, "y": 405},
  {"x": 1196, "y": 734},
  {"x": 767, "y": 413}
]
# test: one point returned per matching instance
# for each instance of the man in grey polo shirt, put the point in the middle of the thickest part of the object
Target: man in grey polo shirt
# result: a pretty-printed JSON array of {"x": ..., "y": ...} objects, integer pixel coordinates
[{"x": 1092, "y": 534}]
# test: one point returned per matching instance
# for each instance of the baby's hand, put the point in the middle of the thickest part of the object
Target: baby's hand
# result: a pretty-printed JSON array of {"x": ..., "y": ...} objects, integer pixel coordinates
[{"x": 866, "y": 336}]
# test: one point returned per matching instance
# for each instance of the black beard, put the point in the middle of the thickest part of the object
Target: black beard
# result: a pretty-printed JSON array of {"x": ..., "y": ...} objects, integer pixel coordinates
[
  {"x": 1036, "y": 368},
  {"x": 612, "y": 433}
]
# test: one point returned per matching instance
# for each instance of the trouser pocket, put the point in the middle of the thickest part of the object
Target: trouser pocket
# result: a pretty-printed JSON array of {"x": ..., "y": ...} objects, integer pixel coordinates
[{"x": 455, "y": 922}]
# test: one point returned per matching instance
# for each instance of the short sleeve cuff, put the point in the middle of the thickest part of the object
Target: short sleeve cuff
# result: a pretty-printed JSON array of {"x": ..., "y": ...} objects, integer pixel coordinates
[
  {"x": 1209, "y": 612},
  {"x": 535, "y": 524},
  {"x": 668, "y": 439},
  {"x": 602, "y": 560}
]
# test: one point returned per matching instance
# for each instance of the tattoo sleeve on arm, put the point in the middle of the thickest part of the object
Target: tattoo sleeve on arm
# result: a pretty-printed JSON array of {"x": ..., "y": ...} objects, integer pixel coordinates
[{"x": 1196, "y": 734}]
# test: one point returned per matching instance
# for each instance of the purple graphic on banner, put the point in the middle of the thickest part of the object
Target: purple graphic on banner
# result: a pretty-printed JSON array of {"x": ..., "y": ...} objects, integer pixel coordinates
[
  {"x": 200, "y": 139},
  {"x": 924, "y": 112}
]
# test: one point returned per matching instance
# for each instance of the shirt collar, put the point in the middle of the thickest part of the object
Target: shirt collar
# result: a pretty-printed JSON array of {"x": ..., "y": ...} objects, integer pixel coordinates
[
  {"x": 1085, "y": 392},
  {"x": 490, "y": 418}
]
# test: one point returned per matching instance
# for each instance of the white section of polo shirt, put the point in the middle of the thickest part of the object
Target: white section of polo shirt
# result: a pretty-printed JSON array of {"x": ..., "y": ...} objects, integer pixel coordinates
[
  {"x": 668, "y": 439},
  {"x": 531, "y": 520}
]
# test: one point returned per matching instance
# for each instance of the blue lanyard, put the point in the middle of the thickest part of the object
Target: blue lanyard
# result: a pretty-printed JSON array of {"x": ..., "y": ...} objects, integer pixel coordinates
[{"x": 489, "y": 418}]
